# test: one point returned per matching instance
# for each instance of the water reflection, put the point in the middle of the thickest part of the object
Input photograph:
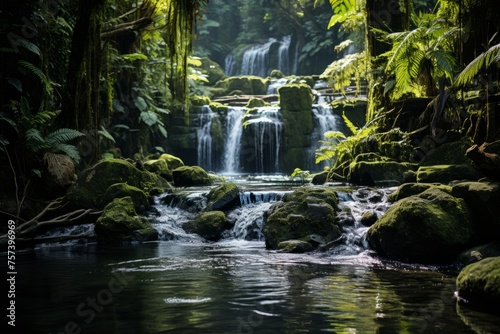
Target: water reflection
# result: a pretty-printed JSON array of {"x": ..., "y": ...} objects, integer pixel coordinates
[{"x": 229, "y": 287}]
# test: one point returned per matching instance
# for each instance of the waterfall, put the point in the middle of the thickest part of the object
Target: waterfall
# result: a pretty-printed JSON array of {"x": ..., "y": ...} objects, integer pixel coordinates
[
  {"x": 267, "y": 129},
  {"x": 230, "y": 64},
  {"x": 283, "y": 55},
  {"x": 204, "y": 136},
  {"x": 233, "y": 131},
  {"x": 325, "y": 120},
  {"x": 255, "y": 59}
]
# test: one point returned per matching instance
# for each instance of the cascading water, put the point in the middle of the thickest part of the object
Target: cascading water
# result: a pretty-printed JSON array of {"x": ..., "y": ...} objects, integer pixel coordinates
[
  {"x": 284, "y": 55},
  {"x": 233, "y": 131},
  {"x": 230, "y": 64},
  {"x": 267, "y": 131},
  {"x": 255, "y": 59},
  {"x": 204, "y": 136}
]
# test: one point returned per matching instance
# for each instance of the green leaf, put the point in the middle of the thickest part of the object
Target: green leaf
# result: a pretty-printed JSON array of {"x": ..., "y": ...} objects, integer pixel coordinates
[
  {"x": 134, "y": 56},
  {"x": 103, "y": 132},
  {"x": 150, "y": 118},
  {"x": 141, "y": 104}
]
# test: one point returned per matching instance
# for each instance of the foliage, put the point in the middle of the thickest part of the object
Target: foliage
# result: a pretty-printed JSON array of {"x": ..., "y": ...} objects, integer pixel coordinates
[
  {"x": 302, "y": 174},
  {"x": 341, "y": 72},
  {"x": 419, "y": 56},
  {"x": 483, "y": 61}
]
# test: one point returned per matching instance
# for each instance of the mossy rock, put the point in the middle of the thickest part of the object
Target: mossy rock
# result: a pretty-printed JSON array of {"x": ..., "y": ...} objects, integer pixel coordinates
[
  {"x": 295, "y": 97},
  {"x": 247, "y": 84},
  {"x": 378, "y": 173},
  {"x": 304, "y": 212},
  {"x": 371, "y": 157},
  {"x": 120, "y": 190},
  {"x": 208, "y": 225},
  {"x": 447, "y": 154},
  {"x": 224, "y": 197},
  {"x": 432, "y": 227},
  {"x": 484, "y": 200},
  {"x": 411, "y": 189},
  {"x": 197, "y": 100},
  {"x": 479, "y": 284},
  {"x": 213, "y": 70},
  {"x": 190, "y": 176},
  {"x": 368, "y": 218},
  {"x": 276, "y": 74},
  {"x": 320, "y": 178},
  {"x": 295, "y": 246},
  {"x": 89, "y": 191},
  {"x": 120, "y": 222},
  {"x": 447, "y": 173},
  {"x": 159, "y": 167},
  {"x": 256, "y": 102},
  {"x": 173, "y": 162}
]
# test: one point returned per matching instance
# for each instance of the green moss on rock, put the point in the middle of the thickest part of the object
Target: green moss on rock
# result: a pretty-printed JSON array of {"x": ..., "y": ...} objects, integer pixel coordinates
[
  {"x": 295, "y": 246},
  {"x": 256, "y": 102},
  {"x": 120, "y": 190},
  {"x": 378, "y": 173},
  {"x": 89, "y": 191},
  {"x": 479, "y": 284},
  {"x": 208, "y": 225},
  {"x": 295, "y": 97},
  {"x": 410, "y": 189},
  {"x": 431, "y": 227},
  {"x": 173, "y": 162},
  {"x": 189, "y": 176},
  {"x": 304, "y": 212},
  {"x": 447, "y": 154},
  {"x": 120, "y": 222},
  {"x": 223, "y": 197},
  {"x": 447, "y": 173}
]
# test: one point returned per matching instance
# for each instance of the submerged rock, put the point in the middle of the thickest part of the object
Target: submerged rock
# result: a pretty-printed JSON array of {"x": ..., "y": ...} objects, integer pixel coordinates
[
  {"x": 432, "y": 227},
  {"x": 295, "y": 246},
  {"x": 189, "y": 176},
  {"x": 478, "y": 285},
  {"x": 223, "y": 197},
  {"x": 94, "y": 182},
  {"x": 304, "y": 212},
  {"x": 208, "y": 225},
  {"x": 120, "y": 222}
]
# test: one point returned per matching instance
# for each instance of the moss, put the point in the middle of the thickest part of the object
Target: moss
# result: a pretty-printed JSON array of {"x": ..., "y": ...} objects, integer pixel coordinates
[
  {"x": 410, "y": 189},
  {"x": 197, "y": 100},
  {"x": 479, "y": 284},
  {"x": 120, "y": 190},
  {"x": 378, "y": 173},
  {"x": 295, "y": 246},
  {"x": 248, "y": 84},
  {"x": 189, "y": 176},
  {"x": 276, "y": 74},
  {"x": 447, "y": 154},
  {"x": 159, "y": 167},
  {"x": 213, "y": 70},
  {"x": 431, "y": 227},
  {"x": 120, "y": 222},
  {"x": 223, "y": 197},
  {"x": 173, "y": 162},
  {"x": 88, "y": 192},
  {"x": 295, "y": 97},
  {"x": 304, "y": 212},
  {"x": 256, "y": 102},
  {"x": 209, "y": 225},
  {"x": 447, "y": 173}
]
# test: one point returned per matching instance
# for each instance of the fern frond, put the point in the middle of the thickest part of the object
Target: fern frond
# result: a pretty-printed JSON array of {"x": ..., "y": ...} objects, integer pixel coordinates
[
  {"x": 349, "y": 124},
  {"x": 38, "y": 72},
  {"x": 70, "y": 150},
  {"x": 61, "y": 136},
  {"x": 484, "y": 60},
  {"x": 34, "y": 140}
]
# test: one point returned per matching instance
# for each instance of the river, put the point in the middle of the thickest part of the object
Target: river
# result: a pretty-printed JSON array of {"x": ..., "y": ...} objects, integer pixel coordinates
[{"x": 182, "y": 284}]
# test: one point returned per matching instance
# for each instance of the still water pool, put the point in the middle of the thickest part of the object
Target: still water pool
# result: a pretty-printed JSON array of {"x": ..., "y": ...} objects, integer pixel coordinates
[{"x": 233, "y": 286}]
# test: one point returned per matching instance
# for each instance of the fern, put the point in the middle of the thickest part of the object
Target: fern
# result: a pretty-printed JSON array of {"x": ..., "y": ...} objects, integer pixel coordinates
[
  {"x": 349, "y": 124},
  {"x": 70, "y": 150},
  {"x": 38, "y": 72},
  {"x": 61, "y": 136},
  {"x": 484, "y": 60}
]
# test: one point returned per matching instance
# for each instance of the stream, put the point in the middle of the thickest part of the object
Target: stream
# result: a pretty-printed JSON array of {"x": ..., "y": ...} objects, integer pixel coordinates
[{"x": 183, "y": 284}]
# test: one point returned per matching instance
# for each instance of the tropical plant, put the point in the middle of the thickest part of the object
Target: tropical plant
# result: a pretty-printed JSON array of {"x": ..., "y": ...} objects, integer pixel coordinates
[
  {"x": 342, "y": 72},
  {"x": 420, "y": 56}
]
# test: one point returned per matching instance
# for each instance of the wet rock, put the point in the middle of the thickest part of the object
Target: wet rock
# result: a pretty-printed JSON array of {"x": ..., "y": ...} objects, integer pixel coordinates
[
  {"x": 120, "y": 222},
  {"x": 172, "y": 161},
  {"x": 223, "y": 197},
  {"x": 120, "y": 190},
  {"x": 478, "y": 285},
  {"x": 320, "y": 178},
  {"x": 159, "y": 167},
  {"x": 189, "y": 176},
  {"x": 432, "y": 227},
  {"x": 304, "y": 212},
  {"x": 447, "y": 173},
  {"x": 92, "y": 185},
  {"x": 208, "y": 225},
  {"x": 368, "y": 218},
  {"x": 295, "y": 246}
]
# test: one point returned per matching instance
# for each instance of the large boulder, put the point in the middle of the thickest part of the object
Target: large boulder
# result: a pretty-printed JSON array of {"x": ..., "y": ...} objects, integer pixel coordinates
[
  {"x": 92, "y": 185},
  {"x": 432, "y": 227},
  {"x": 295, "y": 97},
  {"x": 379, "y": 173},
  {"x": 447, "y": 173},
  {"x": 223, "y": 197},
  {"x": 189, "y": 176},
  {"x": 484, "y": 200},
  {"x": 159, "y": 167},
  {"x": 119, "y": 190},
  {"x": 120, "y": 222},
  {"x": 212, "y": 70},
  {"x": 304, "y": 212},
  {"x": 208, "y": 225},
  {"x": 447, "y": 154},
  {"x": 410, "y": 189},
  {"x": 478, "y": 284},
  {"x": 172, "y": 161}
]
